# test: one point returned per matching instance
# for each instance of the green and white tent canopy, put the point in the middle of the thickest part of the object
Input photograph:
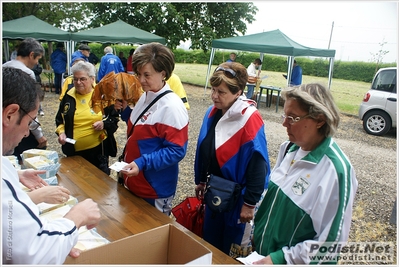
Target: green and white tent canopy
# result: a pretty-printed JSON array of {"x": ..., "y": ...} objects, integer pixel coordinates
[
  {"x": 271, "y": 42},
  {"x": 117, "y": 32},
  {"x": 31, "y": 26}
]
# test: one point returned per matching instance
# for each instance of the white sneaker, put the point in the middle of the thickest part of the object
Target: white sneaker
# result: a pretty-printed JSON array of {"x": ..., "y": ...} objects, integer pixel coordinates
[{"x": 41, "y": 113}]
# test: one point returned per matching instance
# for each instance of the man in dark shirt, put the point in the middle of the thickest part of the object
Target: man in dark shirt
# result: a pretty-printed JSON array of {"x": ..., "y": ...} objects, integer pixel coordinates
[
  {"x": 123, "y": 60},
  {"x": 93, "y": 59}
]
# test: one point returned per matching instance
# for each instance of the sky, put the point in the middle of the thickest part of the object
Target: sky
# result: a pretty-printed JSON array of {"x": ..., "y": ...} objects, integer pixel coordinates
[
  {"x": 354, "y": 29},
  {"x": 359, "y": 26}
]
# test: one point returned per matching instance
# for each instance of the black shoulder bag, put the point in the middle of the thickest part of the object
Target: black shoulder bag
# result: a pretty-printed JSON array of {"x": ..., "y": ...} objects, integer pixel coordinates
[
  {"x": 221, "y": 194},
  {"x": 121, "y": 157}
]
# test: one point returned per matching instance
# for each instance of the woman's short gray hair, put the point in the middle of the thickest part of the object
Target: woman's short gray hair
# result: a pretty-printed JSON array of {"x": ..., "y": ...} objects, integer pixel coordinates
[
  {"x": 316, "y": 100},
  {"x": 84, "y": 66}
]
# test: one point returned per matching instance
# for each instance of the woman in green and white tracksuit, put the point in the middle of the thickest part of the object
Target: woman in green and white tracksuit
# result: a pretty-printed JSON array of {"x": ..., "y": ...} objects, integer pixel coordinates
[{"x": 308, "y": 204}]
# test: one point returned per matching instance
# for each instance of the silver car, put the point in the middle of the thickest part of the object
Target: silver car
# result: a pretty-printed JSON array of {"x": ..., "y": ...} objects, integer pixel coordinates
[{"x": 378, "y": 109}]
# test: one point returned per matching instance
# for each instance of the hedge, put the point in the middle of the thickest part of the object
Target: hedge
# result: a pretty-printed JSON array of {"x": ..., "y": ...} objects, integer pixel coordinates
[
  {"x": 355, "y": 71},
  {"x": 319, "y": 67}
]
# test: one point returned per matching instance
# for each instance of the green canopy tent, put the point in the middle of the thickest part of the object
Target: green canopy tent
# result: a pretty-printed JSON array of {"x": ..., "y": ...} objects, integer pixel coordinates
[
  {"x": 30, "y": 26},
  {"x": 116, "y": 32},
  {"x": 271, "y": 42}
]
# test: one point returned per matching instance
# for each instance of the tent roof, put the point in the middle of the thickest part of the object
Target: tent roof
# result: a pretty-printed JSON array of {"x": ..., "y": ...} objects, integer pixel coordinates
[
  {"x": 272, "y": 42},
  {"x": 30, "y": 26},
  {"x": 117, "y": 32}
]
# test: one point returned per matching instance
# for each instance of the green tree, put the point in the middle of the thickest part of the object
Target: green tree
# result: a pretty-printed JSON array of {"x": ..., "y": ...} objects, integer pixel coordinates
[
  {"x": 67, "y": 16},
  {"x": 198, "y": 22},
  {"x": 377, "y": 57},
  {"x": 175, "y": 21}
]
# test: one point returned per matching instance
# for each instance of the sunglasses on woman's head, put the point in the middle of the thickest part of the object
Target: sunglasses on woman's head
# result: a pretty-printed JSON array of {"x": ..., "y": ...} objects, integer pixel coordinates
[{"x": 229, "y": 73}]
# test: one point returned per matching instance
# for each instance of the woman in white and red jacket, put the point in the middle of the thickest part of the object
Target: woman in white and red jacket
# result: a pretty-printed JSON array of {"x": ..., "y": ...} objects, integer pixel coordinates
[{"x": 159, "y": 140}]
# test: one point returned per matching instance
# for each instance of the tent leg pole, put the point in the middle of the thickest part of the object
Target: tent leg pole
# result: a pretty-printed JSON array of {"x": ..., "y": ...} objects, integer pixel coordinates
[
  {"x": 289, "y": 71},
  {"x": 6, "y": 50},
  {"x": 330, "y": 72},
  {"x": 209, "y": 70}
]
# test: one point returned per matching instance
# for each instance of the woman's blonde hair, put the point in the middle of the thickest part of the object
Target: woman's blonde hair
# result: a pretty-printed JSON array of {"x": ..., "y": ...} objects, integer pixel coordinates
[{"x": 316, "y": 100}]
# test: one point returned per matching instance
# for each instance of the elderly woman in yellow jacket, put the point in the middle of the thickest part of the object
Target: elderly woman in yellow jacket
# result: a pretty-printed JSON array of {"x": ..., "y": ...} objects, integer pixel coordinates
[{"x": 76, "y": 120}]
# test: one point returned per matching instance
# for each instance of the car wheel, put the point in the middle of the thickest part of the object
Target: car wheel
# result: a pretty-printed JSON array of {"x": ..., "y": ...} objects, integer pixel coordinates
[{"x": 377, "y": 122}]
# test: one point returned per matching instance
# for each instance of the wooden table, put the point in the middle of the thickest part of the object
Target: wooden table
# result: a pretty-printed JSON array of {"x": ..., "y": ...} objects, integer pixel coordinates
[{"x": 123, "y": 214}]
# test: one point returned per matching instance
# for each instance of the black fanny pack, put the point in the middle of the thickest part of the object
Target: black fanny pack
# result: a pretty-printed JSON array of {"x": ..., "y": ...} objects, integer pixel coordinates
[{"x": 221, "y": 195}]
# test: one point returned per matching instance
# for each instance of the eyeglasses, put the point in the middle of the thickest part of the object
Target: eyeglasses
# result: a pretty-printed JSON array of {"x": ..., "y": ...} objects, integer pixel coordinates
[
  {"x": 34, "y": 124},
  {"x": 229, "y": 73},
  {"x": 83, "y": 79},
  {"x": 292, "y": 120}
]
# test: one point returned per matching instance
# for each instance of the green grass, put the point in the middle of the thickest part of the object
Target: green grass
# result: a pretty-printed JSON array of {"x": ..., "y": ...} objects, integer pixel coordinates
[{"x": 347, "y": 94}]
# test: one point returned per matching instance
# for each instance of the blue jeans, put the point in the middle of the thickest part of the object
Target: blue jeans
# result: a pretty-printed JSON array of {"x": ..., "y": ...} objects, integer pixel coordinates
[{"x": 250, "y": 91}]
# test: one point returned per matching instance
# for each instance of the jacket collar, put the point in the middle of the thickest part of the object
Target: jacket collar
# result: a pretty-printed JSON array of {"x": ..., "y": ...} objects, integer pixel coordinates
[{"x": 316, "y": 154}]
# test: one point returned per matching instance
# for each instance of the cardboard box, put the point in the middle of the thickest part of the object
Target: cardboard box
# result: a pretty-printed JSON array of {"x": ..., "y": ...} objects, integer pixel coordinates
[{"x": 166, "y": 244}]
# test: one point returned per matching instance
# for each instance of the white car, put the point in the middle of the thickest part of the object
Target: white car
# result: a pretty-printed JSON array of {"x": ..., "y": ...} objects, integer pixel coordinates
[{"x": 378, "y": 109}]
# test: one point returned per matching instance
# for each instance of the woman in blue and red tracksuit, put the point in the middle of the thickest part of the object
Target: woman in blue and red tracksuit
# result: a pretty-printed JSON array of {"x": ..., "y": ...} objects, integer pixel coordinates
[
  {"x": 159, "y": 139},
  {"x": 232, "y": 144}
]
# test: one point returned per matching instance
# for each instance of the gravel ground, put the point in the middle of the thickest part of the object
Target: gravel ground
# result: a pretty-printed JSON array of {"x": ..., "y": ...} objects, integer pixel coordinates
[{"x": 374, "y": 159}]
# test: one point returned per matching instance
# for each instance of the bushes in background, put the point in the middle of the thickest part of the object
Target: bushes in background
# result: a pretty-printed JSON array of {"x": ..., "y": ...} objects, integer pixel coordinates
[{"x": 319, "y": 67}]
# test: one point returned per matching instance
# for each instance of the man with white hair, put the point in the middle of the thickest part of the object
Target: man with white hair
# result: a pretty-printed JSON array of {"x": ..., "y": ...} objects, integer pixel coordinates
[{"x": 109, "y": 63}]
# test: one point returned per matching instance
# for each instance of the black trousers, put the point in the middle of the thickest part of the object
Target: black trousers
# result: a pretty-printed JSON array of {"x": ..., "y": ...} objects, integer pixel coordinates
[
  {"x": 57, "y": 82},
  {"x": 96, "y": 157}
]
